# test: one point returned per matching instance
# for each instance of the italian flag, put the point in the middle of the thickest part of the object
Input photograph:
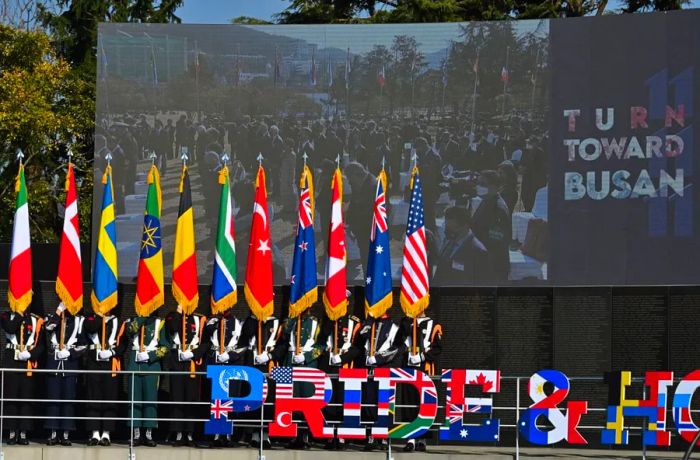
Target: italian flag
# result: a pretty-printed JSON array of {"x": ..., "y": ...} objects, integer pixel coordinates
[{"x": 19, "y": 293}]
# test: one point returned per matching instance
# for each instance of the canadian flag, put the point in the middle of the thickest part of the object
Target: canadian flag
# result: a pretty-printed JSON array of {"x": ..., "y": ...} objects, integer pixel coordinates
[{"x": 334, "y": 297}]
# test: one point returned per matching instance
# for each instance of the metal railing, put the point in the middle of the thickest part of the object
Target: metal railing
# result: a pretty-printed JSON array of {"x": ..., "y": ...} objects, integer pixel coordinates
[{"x": 262, "y": 422}]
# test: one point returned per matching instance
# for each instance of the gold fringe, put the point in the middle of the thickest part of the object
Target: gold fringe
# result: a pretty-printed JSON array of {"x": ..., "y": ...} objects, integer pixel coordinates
[
  {"x": 144, "y": 310},
  {"x": 73, "y": 305},
  {"x": 18, "y": 179},
  {"x": 19, "y": 305},
  {"x": 154, "y": 178},
  {"x": 307, "y": 300},
  {"x": 382, "y": 177},
  {"x": 225, "y": 303},
  {"x": 103, "y": 307},
  {"x": 379, "y": 308},
  {"x": 188, "y": 305},
  {"x": 223, "y": 175},
  {"x": 260, "y": 175},
  {"x": 414, "y": 171},
  {"x": 69, "y": 173},
  {"x": 108, "y": 172},
  {"x": 337, "y": 312},
  {"x": 412, "y": 310},
  {"x": 261, "y": 312},
  {"x": 182, "y": 177}
]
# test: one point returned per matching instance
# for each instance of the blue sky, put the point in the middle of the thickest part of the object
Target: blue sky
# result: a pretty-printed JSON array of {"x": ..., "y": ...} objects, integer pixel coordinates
[{"x": 221, "y": 11}]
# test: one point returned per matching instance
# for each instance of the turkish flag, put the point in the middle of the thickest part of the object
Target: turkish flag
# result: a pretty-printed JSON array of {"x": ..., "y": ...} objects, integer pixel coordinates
[{"x": 258, "y": 274}]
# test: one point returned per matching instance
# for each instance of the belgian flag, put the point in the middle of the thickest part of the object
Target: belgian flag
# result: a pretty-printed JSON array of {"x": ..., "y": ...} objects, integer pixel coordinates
[{"x": 185, "y": 285}]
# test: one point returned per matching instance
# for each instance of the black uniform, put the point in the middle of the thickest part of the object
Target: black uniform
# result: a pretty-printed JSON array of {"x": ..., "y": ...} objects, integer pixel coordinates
[
  {"x": 102, "y": 386},
  {"x": 428, "y": 348},
  {"x": 61, "y": 385},
  {"x": 342, "y": 336},
  {"x": 271, "y": 348},
  {"x": 387, "y": 349},
  {"x": 22, "y": 333},
  {"x": 224, "y": 352},
  {"x": 184, "y": 387}
]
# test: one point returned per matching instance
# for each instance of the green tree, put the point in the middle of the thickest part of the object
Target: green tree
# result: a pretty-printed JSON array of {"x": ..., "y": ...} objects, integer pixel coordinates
[{"x": 44, "y": 110}]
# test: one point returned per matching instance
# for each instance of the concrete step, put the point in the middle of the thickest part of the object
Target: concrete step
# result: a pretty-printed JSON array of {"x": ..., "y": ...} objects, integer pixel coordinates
[{"x": 121, "y": 452}]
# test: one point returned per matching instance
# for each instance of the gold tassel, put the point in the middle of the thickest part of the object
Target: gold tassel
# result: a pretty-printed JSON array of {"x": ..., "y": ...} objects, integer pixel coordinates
[
  {"x": 223, "y": 175},
  {"x": 19, "y": 174}
]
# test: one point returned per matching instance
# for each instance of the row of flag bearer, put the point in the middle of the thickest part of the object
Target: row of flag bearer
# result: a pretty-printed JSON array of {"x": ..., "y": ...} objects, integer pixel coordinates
[{"x": 186, "y": 340}]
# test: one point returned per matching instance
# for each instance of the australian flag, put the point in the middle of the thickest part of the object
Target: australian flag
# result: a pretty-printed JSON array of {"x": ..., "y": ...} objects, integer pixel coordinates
[
  {"x": 378, "y": 296},
  {"x": 304, "y": 291}
]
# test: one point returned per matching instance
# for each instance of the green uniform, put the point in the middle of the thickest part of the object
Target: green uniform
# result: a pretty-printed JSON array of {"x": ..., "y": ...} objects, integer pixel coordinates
[
  {"x": 145, "y": 386},
  {"x": 310, "y": 329}
]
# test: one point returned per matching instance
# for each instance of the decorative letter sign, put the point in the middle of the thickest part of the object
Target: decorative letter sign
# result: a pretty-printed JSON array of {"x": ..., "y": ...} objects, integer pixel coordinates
[
  {"x": 223, "y": 405},
  {"x": 654, "y": 408},
  {"x": 456, "y": 405},
  {"x": 681, "y": 406},
  {"x": 320, "y": 389},
  {"x": 565, "y": 425}
]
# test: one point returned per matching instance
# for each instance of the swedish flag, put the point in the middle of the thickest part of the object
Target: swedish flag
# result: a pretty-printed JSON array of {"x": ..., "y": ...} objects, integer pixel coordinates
[{"x": 104, "y": 277}]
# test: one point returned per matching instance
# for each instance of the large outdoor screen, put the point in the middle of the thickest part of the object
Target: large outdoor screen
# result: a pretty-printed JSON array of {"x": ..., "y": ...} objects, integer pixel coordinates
[{"x": 551, "y": 152}]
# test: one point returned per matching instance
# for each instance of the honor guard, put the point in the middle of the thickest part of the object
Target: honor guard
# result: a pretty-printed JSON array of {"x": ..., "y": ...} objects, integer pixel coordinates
[
  {"x": 223, "y": 332},
  {"x": 147, "y": 347},
  {"x": 24, "y": 345},
  {"x": 103, "y": 336},
  {"x": 421, "y": 354},
  {"x": 65, "y": 346},
  {"x": 299, "y": 339},
  {"x": 337, "y": 338},
  {"x": 380, "y": 342},
  {"x": 186, "y": 351},
  {"x": 263, "y": 351}
]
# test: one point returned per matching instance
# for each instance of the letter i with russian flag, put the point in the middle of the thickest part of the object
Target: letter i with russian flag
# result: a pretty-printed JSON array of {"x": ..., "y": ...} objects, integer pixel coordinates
[
  {"x": 69, "y": 282},
  {"x": 19, "y": 292}
]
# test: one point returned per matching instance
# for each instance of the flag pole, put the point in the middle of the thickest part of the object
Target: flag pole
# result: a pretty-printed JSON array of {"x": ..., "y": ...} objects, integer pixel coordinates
[
  {"x": 260, "y": 159},
  {"x": 505, "y": 83},
  {"x": 183, "y": 339},
  {"x": 476, "y": 82},
  {"x": 196, "y": 79},
  {"x": 534, "y": 82},
  {"x": 415, "y": 322},
  {"x": 298, "y": 335}
]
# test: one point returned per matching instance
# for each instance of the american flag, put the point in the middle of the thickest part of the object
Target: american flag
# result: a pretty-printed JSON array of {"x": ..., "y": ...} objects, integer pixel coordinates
[
  {"x": 286, "y": 376},
  {"x": 414, "y": 273}
]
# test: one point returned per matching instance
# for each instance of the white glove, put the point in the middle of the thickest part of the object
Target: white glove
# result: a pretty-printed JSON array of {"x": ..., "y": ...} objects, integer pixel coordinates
[
  {"x": 262, "y": 358},
  {"x": 371, "y": 361},
  {"x": 222, "y": 358},
  {"x": 105, "y": 354},
  {"x": 414, "y": 359},
  {"x": 62, "y": 354},
  {"x": 185, "y": 355},
  {"x": 141, "y": 357},
  {"x": 24, "y": 355},
  {"x": 335, "y": 360},
  {"x": 298, "y": 359},
  {"x": 60, "y": 309}
]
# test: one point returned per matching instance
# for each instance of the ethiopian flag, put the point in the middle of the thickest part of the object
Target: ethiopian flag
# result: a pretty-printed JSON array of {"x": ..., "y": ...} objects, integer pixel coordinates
[
  {"x": 185, "y": 285},
  {"x": 224, "y": 293},
  {"x": 19, "y": 293},
  {"x": 149, "y": 278},
  {"x": 104, "y": 275}
]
